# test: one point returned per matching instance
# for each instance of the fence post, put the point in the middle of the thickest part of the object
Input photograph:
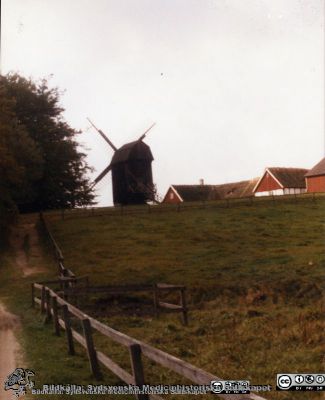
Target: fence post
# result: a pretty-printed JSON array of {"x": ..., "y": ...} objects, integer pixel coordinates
[
  {"x": 67, "y": 323},
  {"x": 137, "y": 369},
  {"x": 48, "y": 305},
  {"x": 43, "y": 299},
  {"x": 184, "y": 306},
  {"x": 55, "y": 316},
  {"x": 92, "y": 355},
  {"x": 155, "y": 300},
  {"x": 33, "y": 295}
]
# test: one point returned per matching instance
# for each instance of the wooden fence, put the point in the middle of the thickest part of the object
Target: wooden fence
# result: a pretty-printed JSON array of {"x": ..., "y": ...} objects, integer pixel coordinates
[
  {"x": 156, "y": 289},
  {"x": 70, "y": 287},
  {"x": 58, "y": 255},
  {"x": 160, "y": 208},
  {"x": 60, "y": 311}
]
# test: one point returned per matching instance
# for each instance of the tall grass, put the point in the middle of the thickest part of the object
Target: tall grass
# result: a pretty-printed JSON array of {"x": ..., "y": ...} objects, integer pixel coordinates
[{"x": 255, "y": 278}]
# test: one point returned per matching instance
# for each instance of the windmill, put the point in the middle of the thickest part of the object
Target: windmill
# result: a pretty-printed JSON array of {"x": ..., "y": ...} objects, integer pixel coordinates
[{"x": 131, "y": 171}]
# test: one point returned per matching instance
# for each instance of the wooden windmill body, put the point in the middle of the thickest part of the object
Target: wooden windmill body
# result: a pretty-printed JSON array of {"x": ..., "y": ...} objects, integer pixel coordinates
[{"x": 131, "y": 172}]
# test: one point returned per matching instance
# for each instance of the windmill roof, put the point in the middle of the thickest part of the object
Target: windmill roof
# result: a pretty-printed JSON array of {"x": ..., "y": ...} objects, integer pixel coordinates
[
  {"x": 136, "y": 150},
  {"x": 215, "y": 192},
  {"x": 318, "y": 169},
  {"x": 289, "y": 177}
]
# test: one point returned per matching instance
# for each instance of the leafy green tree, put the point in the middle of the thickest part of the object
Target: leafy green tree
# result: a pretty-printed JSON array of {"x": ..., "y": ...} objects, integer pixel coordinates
[
  {"x": 57, "y": 175},
  {"x": 20, "y": 162}
]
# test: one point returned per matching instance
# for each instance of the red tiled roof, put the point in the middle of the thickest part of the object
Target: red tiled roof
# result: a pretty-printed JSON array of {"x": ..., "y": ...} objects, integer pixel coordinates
[
  {"x": 216, "y": 192},
  {"x": 318, "y": 169},
  {"x": 290, "y": 177}
]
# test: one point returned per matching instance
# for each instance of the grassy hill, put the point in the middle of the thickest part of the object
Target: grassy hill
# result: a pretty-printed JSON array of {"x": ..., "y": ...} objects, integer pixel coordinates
[{"x": 254, "y": 274}]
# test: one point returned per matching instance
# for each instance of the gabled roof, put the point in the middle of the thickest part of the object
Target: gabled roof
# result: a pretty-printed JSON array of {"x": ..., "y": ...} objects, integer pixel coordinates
[
  {"x": 136, "y": 150},
  {"x": 236, "y": 189},
  {"x": 195, "y": 192},
  {"x": 318, "y": 169},
  {"x": 286, "y": 177},
  {"x": 290, "y": 177},
  {"x": 215, "y": 192}
]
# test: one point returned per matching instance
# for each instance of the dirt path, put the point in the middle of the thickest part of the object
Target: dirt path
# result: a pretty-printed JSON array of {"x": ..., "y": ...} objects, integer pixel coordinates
[
  {"x": 28, "y": 255},
  {"x": 24, "y": 241},
  {"x": 9, "y": 348}
]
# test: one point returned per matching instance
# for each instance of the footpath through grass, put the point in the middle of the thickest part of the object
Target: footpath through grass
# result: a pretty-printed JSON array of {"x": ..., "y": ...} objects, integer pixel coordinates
[
  {"x": 42, "y": 351},
  {"x": 255, "y": 277}
]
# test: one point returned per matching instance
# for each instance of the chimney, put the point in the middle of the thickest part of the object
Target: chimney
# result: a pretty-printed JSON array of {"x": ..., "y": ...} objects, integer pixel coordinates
[{"x": 201, "y": 182}]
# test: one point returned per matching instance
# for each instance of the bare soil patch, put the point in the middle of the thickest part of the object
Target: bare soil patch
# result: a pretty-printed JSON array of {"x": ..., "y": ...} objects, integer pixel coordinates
[
  {"x": 25, "y": 242},
  {"x": 9, "y": 348}
]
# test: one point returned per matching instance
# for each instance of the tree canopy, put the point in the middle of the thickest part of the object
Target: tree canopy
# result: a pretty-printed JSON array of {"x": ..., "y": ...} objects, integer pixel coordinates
[{"x": 41, "y": 165}]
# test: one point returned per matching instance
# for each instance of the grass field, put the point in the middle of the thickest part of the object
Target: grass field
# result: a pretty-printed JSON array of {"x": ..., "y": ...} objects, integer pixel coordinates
[{"x": 254, "y": 274}]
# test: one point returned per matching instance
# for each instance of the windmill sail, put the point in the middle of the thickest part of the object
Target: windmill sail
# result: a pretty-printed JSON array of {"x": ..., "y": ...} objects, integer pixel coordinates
[
  {"x": 102, "y": 134},
  {"x": 102, "y": 174},
  {"x": 144, "y": 134}
]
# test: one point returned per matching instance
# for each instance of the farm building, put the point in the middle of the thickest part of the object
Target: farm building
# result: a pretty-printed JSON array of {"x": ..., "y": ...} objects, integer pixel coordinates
[
  {"x": 180, "y": 193},
  {"x": 280, "y": 181},
  {"x": 315, "y": 178}
]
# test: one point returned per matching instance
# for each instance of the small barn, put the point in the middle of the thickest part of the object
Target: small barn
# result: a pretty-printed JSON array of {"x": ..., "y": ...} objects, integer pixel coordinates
[
  {"x": 188, "y": 193},
  {"x": 315, "y": 178},
  {"x": 281, "y": 181}
]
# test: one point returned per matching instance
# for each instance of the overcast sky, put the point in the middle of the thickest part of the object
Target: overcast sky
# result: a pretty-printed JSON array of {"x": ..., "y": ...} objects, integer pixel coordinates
[{"x": 233, "y": 85}]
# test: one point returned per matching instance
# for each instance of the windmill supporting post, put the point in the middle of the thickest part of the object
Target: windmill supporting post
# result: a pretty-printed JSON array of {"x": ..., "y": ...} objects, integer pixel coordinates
[
  {"x": 67, "y": 323},
  {"x": 137, "y": 369},
  {"x": 55, "y": 316},
  {"x": 184, "y": 306},
  {"x": 92, "y": 354}
]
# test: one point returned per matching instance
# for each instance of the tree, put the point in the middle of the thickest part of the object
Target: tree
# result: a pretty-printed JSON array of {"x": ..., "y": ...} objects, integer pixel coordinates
[
  {"x": 57, "y": 174},
  {"x": 20, "y": 162}
]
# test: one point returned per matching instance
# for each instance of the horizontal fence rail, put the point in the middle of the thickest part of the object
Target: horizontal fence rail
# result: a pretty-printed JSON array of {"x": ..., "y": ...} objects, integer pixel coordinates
[
  {"x": 165, "y": 207},
  {"x": 58, "y": 255},
  {"x": 75, "y": 291},
  {"x": 68, "y": 283},
  {"x": 59, "y": 311}
]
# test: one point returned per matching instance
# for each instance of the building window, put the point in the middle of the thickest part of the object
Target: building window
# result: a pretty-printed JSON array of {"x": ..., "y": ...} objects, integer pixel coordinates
[{"x": 171, "y": 196}]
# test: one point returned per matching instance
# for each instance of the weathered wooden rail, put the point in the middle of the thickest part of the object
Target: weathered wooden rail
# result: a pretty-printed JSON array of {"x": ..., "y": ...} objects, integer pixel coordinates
[
  {"x": 60, "y": 311},
  {"x": 68, "y": 283},
  {"x": 58, "y": 255},
  {"x": 230, "y": 202},
  {"x": 156, "y": 289}
]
